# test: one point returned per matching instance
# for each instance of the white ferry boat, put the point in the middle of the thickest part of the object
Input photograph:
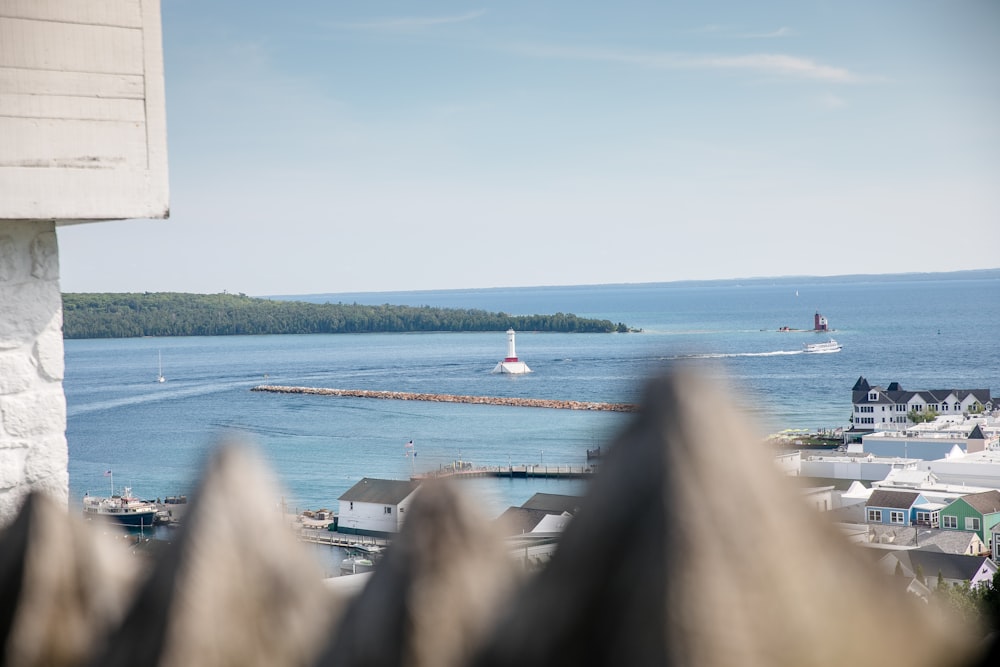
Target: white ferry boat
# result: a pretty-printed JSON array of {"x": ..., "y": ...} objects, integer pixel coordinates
[
  {"x": 822, "y": 348},
  {"x": 124, "y": 508}
]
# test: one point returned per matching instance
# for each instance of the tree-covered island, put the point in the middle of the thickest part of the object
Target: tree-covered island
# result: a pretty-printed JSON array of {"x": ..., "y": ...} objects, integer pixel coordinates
[{"x": 107, "y": 315}]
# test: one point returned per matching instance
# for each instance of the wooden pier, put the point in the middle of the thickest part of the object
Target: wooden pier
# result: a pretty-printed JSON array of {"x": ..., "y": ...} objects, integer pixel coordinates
[
  {"x": 523, "y": 471},
  {"x": 342, "y": 540}
]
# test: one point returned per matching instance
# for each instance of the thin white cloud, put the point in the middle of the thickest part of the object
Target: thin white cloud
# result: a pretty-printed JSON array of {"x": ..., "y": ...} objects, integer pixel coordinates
[
  {"x": 780, "y": 64},
  {"x": 410, "y": 23},
  {"x": 770, "y": 64}
]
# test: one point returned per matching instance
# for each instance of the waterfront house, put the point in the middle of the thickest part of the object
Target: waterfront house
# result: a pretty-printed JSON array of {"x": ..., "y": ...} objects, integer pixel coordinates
[
  {"x": 977, "y": 512},
  {"x": 375, "y": 506},
  {"x": 877, "y": 408},
  {"x": 553, "y": 503},
  {"x": 542, "y": 513},
  {"x": 896, "y": 508},
  {"x": 954, "y": 569}
]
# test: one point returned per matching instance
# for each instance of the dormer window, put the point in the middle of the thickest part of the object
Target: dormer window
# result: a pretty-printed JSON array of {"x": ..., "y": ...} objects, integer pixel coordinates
[{"x": 873, "y": 396}]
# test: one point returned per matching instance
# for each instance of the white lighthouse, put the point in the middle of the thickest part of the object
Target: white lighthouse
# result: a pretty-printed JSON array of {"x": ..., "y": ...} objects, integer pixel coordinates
[{"x": 511, "y": 364}]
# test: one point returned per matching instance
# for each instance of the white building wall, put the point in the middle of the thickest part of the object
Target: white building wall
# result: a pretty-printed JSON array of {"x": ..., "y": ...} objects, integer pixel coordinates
[
  {"x": 367, "y": 516},
  {"x": 845, "y": 469},
  {"x": 957, "y": 471},
  {"x": 789, "y": 463},
  {"x": 82, "y": 111},
  {"x": 404, "y": 508},
  {"x": 33, "y": 452},
  {"x": 82, "y": 137}
]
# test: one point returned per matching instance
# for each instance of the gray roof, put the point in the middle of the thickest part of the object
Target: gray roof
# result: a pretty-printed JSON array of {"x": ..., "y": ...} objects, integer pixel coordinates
[
  {"x": 985, "y": 502},
  {"x": 951, "y": 566},
  {"x": 517, "y": 520},
  {"x": 977, "y": 434},
  {"x": 381, "y": 491},
  {"x": 948, "y": 541},
  {"x": 895, "y": 499},
  {"x": 553, "y": 503},
  {"x": 896, "y": 394}
]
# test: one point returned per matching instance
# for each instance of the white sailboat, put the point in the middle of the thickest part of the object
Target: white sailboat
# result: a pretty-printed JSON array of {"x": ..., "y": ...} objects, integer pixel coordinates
[{"x": 159, "y": 377}]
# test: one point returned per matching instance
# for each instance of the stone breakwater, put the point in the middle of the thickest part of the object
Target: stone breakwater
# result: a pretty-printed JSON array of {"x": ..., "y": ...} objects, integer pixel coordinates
[{"x": 451, "y": 398}]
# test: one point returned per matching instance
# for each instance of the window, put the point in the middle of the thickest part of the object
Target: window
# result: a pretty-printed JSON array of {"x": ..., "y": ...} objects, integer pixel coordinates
[
  {"x": 875, "y": 516},
  {"x": 951, "y": 522},
  {"x": 944, "y": 407},
  {"x": 388, "y": 510},
  {"x": 897, "y": 517},
  {"x": 972, "y": 523},
  {"x": 352, "y": 505}
]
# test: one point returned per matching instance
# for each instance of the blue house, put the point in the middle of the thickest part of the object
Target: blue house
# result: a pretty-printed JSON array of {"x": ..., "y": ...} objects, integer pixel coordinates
[{"x": 896, "y": 508}]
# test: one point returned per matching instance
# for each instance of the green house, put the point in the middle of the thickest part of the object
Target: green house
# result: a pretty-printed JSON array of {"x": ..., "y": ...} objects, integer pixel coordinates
[{"x": 977, "y": 512}]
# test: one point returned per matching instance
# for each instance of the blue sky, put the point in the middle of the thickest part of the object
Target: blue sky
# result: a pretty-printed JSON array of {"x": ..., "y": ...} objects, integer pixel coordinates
[{"x": 370, "y": 146}]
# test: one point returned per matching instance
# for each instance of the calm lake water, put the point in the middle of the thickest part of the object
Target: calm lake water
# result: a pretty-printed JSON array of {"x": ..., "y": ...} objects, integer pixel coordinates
[{"x": 926, "y": 331}]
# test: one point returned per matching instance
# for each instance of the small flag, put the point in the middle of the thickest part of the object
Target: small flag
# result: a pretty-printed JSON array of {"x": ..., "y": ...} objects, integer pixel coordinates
[
  {"x": 107, "y": 473},
  {"x": 409, "y": 445}
]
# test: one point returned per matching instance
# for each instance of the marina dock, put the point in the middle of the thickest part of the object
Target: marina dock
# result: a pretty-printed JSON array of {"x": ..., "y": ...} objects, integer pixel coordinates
[
  {"x": 522, "y": 471},
  {"x": 453, "y": 398}
]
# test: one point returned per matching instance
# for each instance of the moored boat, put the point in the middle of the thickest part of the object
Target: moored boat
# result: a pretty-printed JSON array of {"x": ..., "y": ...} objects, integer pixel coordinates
[
  {"x": 126, "y": 509},
  {"x": 822, "y": 348},
  {"x": 356, "y": 565}
]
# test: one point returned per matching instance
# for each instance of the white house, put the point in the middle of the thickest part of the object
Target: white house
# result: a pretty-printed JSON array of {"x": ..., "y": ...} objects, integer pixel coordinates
[
  {"x": 952, "y": 568},
  {"x": 877, "y": 408},
  {"x": 375, "y": 506},
  {"x": 83, "y": 127}
]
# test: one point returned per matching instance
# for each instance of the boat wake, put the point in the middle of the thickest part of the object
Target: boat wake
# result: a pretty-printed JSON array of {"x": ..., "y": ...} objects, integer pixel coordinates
[
  {"x": 727, "y": 355},
  {"x": 149, "y": 397}
]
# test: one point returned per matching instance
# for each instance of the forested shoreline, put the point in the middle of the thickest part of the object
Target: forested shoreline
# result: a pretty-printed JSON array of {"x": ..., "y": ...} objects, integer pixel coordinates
[{"x": 128, "y": 315}]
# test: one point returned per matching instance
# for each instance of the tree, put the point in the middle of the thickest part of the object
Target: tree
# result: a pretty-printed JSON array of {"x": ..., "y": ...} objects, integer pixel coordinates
[
  {"x": 922, "y": 416},
  {"x": 178, "y": 314}
]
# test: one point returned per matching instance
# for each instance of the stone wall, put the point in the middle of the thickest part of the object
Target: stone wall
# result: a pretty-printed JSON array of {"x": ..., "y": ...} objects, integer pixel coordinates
[{"x": 33, "y": 453}]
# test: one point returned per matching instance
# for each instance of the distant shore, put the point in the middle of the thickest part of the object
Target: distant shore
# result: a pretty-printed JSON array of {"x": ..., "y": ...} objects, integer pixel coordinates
[{"x": 452, "y": 398}]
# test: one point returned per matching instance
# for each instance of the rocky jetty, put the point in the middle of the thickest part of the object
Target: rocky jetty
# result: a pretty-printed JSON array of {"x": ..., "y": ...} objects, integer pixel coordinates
[{"x": 452, "y": 398}]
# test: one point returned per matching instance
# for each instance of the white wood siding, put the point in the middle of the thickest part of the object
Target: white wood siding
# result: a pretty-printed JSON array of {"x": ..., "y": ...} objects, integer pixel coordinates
[{"x": 82, "y": 110}]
